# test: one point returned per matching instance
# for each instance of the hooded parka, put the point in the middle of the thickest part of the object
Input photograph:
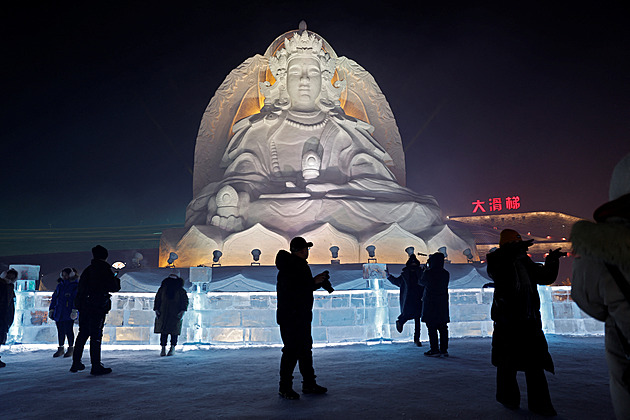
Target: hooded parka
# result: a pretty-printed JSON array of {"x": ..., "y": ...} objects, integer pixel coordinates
[
  {"x": 410, "y": 290},
  {"x": 170, "y": 300},
  {"x": 518, "y": 341},
  {"x": 595, "y": 291},
  {"x": 62, "y": 300}
]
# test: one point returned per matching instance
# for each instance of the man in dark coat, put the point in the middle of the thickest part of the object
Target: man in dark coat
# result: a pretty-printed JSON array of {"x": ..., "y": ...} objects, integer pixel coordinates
[
  {"x": 518, "y": 341},
  {"x": 7, "y": 304},
  {"x": 294, "y": 315},
  {"x": 93, "y": 302},
  {"x": 410, "y": 296},
  {"x": 435, "y": 304}
]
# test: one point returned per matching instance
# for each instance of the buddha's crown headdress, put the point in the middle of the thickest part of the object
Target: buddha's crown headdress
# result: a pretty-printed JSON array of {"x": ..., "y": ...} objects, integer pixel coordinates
[{"x": 302, "y": 44}]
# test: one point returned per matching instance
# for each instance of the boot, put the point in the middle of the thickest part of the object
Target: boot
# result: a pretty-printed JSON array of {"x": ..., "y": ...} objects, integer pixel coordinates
[
  {"x": 76, "y": 366},
  {"x": 69, "y": 352},
  {"x": 313, "y": 388},
  {"x": 171, "y": 351},
  {"x": 288, "y": 393},
  {"x": 163, "y": 352},
  {"x": 59, "y": 352},
  {"x": 286, "y": 389},
  {"x": 100, "y": 370}
]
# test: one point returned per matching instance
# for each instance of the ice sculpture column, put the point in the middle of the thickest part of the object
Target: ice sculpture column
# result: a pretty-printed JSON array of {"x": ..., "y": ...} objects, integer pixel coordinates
[
  {"x": 200, "y": 277},
  {"x": 377, "y": 310}
]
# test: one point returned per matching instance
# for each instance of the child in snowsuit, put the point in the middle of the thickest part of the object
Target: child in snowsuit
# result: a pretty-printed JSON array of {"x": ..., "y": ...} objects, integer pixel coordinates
[
  {"x": 60, "y": 309},
  {"x": 410, "y": 296},
  {"x": 171, "y": 302}
]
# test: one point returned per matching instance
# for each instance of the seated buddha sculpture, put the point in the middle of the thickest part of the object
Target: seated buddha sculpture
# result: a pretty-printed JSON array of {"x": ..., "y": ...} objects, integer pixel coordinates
[{"x": 301, "y": 161}]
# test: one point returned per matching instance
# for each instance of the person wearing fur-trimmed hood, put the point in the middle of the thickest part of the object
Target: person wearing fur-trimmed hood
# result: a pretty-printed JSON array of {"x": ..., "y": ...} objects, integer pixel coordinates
[
  {"x": 171, "y": 302},
  {"x": 60, "y": 309},
  {"x": 601, "y": 273}
]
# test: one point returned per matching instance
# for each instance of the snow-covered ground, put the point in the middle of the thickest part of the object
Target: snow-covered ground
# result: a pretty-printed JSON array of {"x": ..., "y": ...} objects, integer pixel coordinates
[{"x": 385, "y": 381}]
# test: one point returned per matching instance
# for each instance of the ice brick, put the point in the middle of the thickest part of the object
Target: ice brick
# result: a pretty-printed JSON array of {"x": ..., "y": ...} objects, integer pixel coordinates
[
  {"x": 225, "y": 335},
  {"x": 114, "y": 318},
  {"x": 340, "y": 301},
  {"x": 259, "y": 302},
  {"x": 264, "y": 335},
  {"x": 567, "y": 326},
  {"x": 338, "y": 317},
  {"x": 215, "y": 318},
  {"x": 139, "y": 317},
  {"x": 136, "y": 334},
  {"x": 346, "y": 333},
  {"x": 319, "y": 334},
  {"x": 259, "y": 318}
]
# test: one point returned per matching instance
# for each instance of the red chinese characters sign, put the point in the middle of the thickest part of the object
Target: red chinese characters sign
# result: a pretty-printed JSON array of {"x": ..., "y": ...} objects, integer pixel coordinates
[{"x": 497, "y": 204}]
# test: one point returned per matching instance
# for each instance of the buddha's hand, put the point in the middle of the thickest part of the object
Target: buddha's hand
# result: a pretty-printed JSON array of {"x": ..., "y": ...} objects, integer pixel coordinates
[
  {"x": 228, "y": 203},
  {"x": 229, "y": 223},
  {"x": 321, "y": 188}
]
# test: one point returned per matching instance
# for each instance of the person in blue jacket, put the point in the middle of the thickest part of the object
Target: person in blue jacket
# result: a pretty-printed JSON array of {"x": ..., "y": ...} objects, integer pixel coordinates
[{"x": 60, "y": 309}]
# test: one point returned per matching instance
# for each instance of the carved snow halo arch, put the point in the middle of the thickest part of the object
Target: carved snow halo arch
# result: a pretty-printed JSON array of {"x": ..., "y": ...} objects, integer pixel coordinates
[{"x": 239, "y": 96}]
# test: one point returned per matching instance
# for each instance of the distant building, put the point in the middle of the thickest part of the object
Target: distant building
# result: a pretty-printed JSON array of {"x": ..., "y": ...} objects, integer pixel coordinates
[{"x": 550, "y": 230}]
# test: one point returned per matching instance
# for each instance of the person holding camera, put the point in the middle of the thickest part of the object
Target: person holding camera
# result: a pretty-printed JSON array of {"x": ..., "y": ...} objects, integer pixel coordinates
[
  {"x": 294, "y": 315},
  {"x": 518, "y": 341},
  {"x": 93, "y": 301}
]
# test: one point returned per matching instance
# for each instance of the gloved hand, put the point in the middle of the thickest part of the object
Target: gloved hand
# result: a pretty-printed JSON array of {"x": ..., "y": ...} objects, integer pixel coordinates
[
  {"x": 180, "y": 314},
  {"x": 157, "y": 313},
  {"x": 556, "y": 254},
  {"x": 51, "y": 313},
  {"x": 74, "y": 314}
]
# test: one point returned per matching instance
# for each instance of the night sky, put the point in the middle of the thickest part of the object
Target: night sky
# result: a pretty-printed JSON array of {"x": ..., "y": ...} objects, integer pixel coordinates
[{"x": 101, "y": 104}]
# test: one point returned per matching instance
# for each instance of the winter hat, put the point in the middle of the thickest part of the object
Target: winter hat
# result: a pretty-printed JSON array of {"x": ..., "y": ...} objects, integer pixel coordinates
[
  {"x": 99, "y": 252},
  {"x": 413, "y": 260},
  {"x": 298, "y": 243},
  {"x": 618, "y": 194},
  {"x": 509, "y": 235}
]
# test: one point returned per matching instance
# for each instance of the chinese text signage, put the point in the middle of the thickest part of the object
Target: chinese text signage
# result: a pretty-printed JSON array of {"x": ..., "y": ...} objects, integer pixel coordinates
[{"x": 497, "y": 204}]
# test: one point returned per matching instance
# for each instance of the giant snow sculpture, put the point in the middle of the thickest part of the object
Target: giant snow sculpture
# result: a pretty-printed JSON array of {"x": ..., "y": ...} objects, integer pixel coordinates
[{"x": 302, "y": 142}]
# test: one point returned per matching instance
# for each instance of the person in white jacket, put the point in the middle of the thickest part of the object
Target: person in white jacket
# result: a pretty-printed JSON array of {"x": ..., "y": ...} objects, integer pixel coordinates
[{"x": 601, "y": 275}]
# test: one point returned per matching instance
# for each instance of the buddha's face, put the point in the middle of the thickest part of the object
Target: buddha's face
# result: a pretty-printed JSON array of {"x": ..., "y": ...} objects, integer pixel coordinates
[{"x": 304, "y": 82}]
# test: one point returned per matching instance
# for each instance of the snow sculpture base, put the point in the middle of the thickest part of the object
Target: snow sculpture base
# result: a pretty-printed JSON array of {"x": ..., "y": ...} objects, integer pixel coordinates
[{"x": 196, "y": 245}]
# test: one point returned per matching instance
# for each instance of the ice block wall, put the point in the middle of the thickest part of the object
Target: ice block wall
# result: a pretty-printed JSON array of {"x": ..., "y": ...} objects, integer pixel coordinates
[{"x": 248, "y": 318}]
